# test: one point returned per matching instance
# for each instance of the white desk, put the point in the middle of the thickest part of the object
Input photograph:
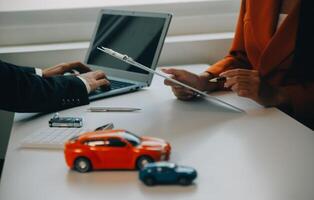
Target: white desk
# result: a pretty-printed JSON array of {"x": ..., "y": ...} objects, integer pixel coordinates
[{"x": 263, "y": 154}]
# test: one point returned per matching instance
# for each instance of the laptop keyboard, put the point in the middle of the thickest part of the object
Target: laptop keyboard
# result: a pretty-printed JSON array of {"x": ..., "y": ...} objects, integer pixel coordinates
[
  {"x": 118, "y": 84},
  {"x": 113, "y": 86}
]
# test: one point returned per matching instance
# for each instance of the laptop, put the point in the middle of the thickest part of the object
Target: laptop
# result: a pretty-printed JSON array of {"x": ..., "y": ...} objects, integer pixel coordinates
[{"x": 140, "y": 35}]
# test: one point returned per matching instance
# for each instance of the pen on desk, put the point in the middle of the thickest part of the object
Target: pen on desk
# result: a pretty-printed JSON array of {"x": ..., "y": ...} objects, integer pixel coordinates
[
  {"x": 112, "y": 109},
  {"x": 218, "y": 79}
]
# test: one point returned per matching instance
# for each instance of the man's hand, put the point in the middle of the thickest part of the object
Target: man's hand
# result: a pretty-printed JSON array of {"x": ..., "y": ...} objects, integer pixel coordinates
[
  {"x": 199, "y": 82},
  {"x": 62, "y": 68},
  {"x": 95, "y": 79},
  {"x": 247, "y": 83}
]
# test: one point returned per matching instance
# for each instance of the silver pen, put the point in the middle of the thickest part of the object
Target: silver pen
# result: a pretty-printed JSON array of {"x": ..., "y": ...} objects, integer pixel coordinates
[
  {"x": 112, "y": 109},
  {"x": 218, "y": 79}
]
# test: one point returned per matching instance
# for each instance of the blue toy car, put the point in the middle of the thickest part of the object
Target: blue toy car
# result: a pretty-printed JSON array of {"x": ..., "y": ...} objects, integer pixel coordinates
[{"x": 166, "y": 173}]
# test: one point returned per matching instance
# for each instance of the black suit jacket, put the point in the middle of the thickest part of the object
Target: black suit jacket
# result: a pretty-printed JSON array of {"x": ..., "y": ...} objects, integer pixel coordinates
[{"x": 24, "y": 91}]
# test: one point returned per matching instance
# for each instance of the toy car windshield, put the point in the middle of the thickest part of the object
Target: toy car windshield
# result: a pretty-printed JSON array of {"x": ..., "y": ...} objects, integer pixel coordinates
[{"x": 132, "y": 138}]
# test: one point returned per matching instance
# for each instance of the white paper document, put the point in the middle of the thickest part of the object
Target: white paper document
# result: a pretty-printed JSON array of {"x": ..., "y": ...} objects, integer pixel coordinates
[{"x": 129, "y": 60}]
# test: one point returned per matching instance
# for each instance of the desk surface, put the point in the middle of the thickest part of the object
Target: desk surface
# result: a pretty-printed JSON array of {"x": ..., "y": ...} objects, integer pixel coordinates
[{"x": 263, "y": 154}]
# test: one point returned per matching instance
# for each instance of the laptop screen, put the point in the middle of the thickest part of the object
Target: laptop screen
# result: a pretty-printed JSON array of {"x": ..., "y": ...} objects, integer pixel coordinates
[{"x": 136, "y": 36}]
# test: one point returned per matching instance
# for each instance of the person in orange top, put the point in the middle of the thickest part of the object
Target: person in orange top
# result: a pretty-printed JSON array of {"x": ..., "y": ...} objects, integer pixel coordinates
[{"x": 269, "y": 60}]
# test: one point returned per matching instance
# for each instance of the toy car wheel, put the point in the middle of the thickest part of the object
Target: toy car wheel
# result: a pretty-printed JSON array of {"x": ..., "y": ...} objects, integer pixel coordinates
[
  {"x": 142, "y": 161},
  {"x": 184, "y": 181},
  {"x": 82, "y": 165},
  {"x": 150, "y": 181}
]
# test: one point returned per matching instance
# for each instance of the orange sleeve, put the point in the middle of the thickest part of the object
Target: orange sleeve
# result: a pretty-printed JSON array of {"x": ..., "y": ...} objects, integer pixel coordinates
[{"x": 237, "y": 56}]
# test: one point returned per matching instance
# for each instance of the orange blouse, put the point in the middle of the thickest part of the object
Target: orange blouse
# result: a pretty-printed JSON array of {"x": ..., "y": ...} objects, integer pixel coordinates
[{"x": 257, "y": 45}]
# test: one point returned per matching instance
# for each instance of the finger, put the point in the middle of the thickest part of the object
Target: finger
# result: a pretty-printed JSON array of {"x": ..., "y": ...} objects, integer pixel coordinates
[
  {"x": 170, "y": 83},
  {"x": 234, "y": 87},
  {"x": 175, "y": 72},
  {"x": 101, "y": 82},
  {"x": 182, "y": 91},
  {"x": 246, "y": 90},
  {"x": 237, "y": 79},
  {"x": 183, "y": 95},
  {"x": 243, "y": 72},
  {"x": 66, "y": 67},
  {"x": 177, "y": 87},
  {"x": 99, "y": 74},
  {"x": 239, "y": 86},
  {"x": 185, "y": 98},
  {"x": 80, "y": 67}
]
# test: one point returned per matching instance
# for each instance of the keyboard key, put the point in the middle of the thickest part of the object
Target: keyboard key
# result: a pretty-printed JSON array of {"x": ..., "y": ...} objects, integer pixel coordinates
[{"x": 119, "y": 84}]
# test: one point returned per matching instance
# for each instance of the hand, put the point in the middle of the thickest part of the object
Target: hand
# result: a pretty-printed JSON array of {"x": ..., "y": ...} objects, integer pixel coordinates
[
  {"x": 199, "y": 82},
  {"x": 247, "y": 83},
  {"x": 62, "y": 68},
  {"x": 95, "y": 79}
]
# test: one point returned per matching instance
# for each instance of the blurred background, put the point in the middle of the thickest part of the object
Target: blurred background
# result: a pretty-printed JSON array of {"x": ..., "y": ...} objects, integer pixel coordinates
[{"x": 46, "y": 32}]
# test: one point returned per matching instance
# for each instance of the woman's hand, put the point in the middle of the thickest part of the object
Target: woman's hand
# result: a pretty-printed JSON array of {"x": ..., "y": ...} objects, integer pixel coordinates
[
  {"x": 247, "y": 83},
  {"x": 244, "y": 82},
  {"x": 62, "y": 68},
  {"x": 199, "y": 82}
]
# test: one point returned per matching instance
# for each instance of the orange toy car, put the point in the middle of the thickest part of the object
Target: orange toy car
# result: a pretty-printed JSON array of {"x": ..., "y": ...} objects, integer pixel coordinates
[{"x": 113, "y": 149}]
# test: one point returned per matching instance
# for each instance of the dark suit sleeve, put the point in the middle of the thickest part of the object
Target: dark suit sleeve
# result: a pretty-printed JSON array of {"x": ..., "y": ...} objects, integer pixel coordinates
[
  {"x": 30, "y": 70},
  {"x": 23, "y": 91}
]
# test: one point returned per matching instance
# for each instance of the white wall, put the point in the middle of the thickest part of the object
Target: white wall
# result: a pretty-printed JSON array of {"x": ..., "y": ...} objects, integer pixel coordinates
[
  {"x": 201, "y": 31},
  {"x": 27, "y": 5}
]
